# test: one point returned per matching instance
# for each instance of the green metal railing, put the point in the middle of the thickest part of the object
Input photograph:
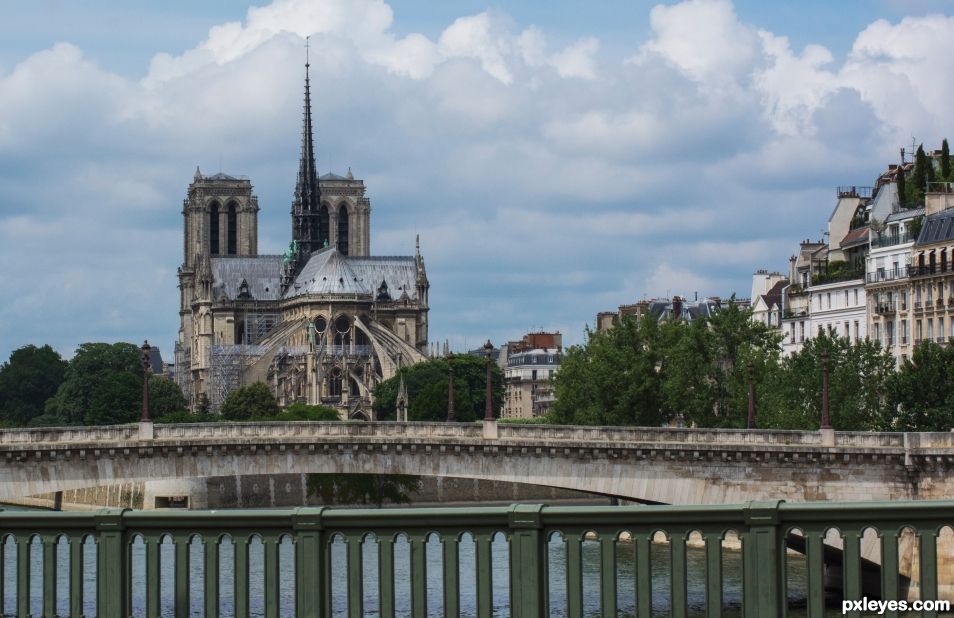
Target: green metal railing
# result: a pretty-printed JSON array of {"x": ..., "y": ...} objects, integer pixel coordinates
[{"x": 764, "y": 528}]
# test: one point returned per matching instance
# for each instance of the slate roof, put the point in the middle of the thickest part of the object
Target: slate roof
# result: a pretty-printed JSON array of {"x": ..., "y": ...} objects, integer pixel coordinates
[
  {"x": 855, "y": 237},
  {"x": 774, "y": 295},
  {"x": 938, "y": 227},
  {"x": 330, "y": 272},
  {"x": 262, "y": 273},
  {"x": 907, "y": 213},
  {"x": 331, "y": 176}
]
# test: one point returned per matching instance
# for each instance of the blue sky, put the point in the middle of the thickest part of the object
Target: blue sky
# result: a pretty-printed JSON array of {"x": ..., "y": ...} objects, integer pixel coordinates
[{"x": 557, "y": 159}]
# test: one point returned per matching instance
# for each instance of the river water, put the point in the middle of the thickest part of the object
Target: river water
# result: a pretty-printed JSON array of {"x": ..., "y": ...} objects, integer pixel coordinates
[{"x": 557, "y": 579}]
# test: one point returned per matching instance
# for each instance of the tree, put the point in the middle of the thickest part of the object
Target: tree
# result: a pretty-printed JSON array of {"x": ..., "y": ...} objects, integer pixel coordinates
[
  {"x": 945, "y": 161},
  {"x": 427, "y": 386},
  {"x": 614, "y": 379},
  {"x": 27, "y": 381},
  {"x": 305, "y": 412},
  {"x": 101, "y": 385},
  {"x": 922, "y": 392},
  {"x": 165, "y": 397},
  {"x": 859, "y": 373},
  {"x": 252, "y": 402},
  {"x": 919, "y": 178}
]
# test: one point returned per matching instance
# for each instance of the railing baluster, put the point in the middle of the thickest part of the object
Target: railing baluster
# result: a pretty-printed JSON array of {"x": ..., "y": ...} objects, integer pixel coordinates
[
  {"x": 851, "y": 557},
  {"x": 112, "y": 564},
  {"x": 928, "y": 564},
  {"x": 451, "y": 575},
  {"x": 644, "y": 574},
  {"x": 240, "y": 590},
  {"x": 272, "y": 575},
  {"x": 181, "y": 575},
  {"x": 153, "y": 572},
  {"x": 419, "y": 576},
  {"x": 311, "y": 589},
  {"x": 574, "y": 575},
  {"x": 608, "y": 574},
  {"x": 485, "y": 582},
  {"x": 386, "y": 574},
  {"x": 678, "y": 581},
  {"x": 23, "y": 575},
  {"x": 528, "y": 562},
  {"x": 890, "y": 583},
  {"x": 815, "y": 562},
  {"x": 49, "y": 575},
  {"x": 713, "y": 574},
  {"x": 354, "y": 576},
  {"x": 210, "y": 589},
  {"x": 76, "y": 576}
]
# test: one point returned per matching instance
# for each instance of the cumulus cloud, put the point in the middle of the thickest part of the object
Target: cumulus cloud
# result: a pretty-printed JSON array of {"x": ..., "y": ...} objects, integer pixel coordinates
[{"x": 547, "y": 182}]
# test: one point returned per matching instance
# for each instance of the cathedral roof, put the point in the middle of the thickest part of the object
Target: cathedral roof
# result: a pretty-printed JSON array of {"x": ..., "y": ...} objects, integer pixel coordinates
[
  {"x": 331, "y": 176},
  {"x": 329, "y": 272},
  {"x": 262, "y": 274}
]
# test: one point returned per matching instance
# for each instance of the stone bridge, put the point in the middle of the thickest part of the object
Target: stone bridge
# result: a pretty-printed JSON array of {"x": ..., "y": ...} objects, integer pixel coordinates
[{"x": 665, "y": 465}]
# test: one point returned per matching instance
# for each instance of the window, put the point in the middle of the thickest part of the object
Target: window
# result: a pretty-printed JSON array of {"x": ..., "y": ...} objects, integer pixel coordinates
[
  {"x": 904, "y": 300},
  {"x": 847, "y": 329},
  {"x": 877, "y": 332},
  {"x": 232, "y": 220},
  {"x": 846, "y": 297},
  {"x": 214, "y": 229},
  {"x": 889, "y": 332},
  {"x": 930, "y": 331},
  {"x": 801, "y": 331},
  {"x": 857, "y": 331},
  {"x": 904, "y": 332},
  {"x": 856, "y": 296},
  {"x": 343, "y": 230},
  {"x": 940, "y": 330},
  {"x": 322, "y": 236},
  {"x": 917, "y": 331},
  {"x": 829, "y": 299}
]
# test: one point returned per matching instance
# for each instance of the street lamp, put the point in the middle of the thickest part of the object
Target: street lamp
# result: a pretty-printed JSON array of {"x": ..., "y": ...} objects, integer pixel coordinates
[
  {"x": 450, "y": 388},
  {"x": 825, "y": 418},
  {"x": 489, "y": 406},
  {"x": 145, "y": 382},
  {"x": 751, "y": 421}
]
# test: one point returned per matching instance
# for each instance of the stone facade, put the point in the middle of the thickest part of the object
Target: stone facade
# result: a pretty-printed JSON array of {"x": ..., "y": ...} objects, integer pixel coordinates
[
  {"x": 321, "y": 324},
  {"x": 529, "y": 367}
]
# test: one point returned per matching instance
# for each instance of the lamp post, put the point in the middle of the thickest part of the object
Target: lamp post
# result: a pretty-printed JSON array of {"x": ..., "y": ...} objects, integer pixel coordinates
[
  {"x": 489, "y": 405},
  {"x": 450, "y": 388},
  {"x": 145, "y": 383},
  {"x": 751, "y": 373},
  {"x": 825, "y": 418}
]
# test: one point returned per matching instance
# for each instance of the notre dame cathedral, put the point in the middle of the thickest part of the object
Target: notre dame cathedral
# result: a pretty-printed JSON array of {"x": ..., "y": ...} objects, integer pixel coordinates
[{"x": 321, "y": 324}]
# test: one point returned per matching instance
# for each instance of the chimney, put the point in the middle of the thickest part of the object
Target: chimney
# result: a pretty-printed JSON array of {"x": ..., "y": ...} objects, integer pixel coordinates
[
  {"x": 936, "y": 201},
  {"x": 791, "y": 270},
  {"x": 676, "y": 306}
]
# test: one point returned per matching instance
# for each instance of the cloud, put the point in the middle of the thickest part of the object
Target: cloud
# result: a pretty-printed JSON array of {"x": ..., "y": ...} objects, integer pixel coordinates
[{"x": 547, "y": 181}]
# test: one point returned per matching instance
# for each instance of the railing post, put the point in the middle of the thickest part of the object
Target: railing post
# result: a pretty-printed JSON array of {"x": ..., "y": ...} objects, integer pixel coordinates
[
  {"x": 763, "y": 561},
  {"x": 528, "y": 568},
  {"x": 310, "y": 579},
  {"x": 112, "y": 563}
]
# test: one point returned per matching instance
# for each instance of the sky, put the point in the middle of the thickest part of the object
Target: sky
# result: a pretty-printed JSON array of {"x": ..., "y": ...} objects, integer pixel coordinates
[{"x": 556, "y": 159}]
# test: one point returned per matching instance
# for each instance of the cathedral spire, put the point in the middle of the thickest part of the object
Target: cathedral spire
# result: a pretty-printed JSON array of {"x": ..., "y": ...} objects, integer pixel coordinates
[{"x": 307, "y": 219}]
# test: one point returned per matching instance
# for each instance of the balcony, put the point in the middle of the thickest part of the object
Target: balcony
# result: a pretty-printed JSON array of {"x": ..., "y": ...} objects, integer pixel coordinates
[
  {"x": 927, "y": 270},
  {"x": 904, "y": 340},
  {"x": 887, "y": 275},
  {"x": 918, "y": 306},
  {"x": 853, "y": 191},
  {"x": 886, "y": 308},
  {"x": 891, "y": 240},
  {"x": 928, "y": 305}
]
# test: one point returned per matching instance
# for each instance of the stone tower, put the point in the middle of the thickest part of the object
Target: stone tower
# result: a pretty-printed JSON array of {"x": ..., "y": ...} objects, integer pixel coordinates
[{"x": 220, "y": 219}]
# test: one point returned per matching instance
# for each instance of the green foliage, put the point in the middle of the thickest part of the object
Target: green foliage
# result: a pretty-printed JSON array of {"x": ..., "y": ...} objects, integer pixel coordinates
[
  {"x": 923, "y": 390},
  {"x": 376, "y": 489},
  {"x": 839, "y": 270},
  {"x": 165, "y": 397},
  {"x": 613, "y": 379},
  {"x": 427, "y": 390},
  {"x": 27, "y": 381},
  {"x": 790, "y": 394},
  {"x": 102, "y": 385},
  {"x": 945, "y": 161},
  {"x": 252, "y": 402},
  {"x": 923, "y": 171},
  {"x": 184, "y": 416},
  {"x": 305, "y": 412},
  {"x": 914, "y": 227}
]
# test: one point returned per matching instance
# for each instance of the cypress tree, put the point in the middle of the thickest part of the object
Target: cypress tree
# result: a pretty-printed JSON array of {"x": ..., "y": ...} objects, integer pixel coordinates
[
  {"x": 902, "y": 197},
  {"x": 945, "y": 160}
]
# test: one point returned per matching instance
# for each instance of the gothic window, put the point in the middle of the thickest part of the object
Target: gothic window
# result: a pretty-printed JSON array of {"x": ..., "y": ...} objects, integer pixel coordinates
[
  {"x": 323, "y": 236},
  {"x": 214, "y": 229},
  {"x": 334, "y": 383},
  {"x": 343, "y": 230},
  {"x": 233, "y": 229}
]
